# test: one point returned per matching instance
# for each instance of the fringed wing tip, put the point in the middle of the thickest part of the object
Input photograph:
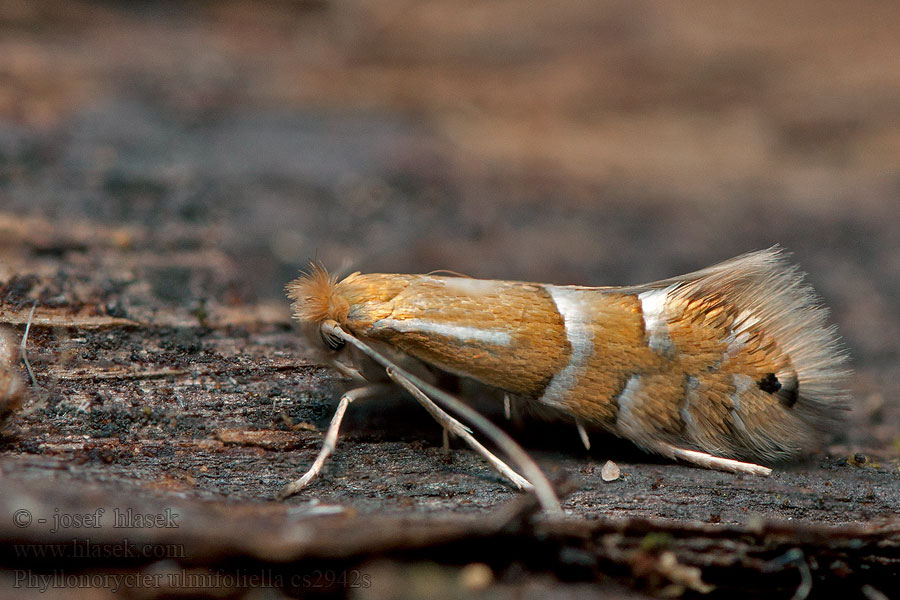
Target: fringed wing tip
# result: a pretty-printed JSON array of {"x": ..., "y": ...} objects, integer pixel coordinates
[{"x": 776, "y": 292}]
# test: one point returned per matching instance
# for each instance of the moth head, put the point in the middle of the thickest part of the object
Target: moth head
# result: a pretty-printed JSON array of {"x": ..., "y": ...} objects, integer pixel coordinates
[{"x": 319, "y": 297}]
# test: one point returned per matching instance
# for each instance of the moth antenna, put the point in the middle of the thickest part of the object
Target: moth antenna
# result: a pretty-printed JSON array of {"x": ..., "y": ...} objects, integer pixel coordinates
[
  {"x": 543, "y": 489},
  {"x": 449, "y": 272}
]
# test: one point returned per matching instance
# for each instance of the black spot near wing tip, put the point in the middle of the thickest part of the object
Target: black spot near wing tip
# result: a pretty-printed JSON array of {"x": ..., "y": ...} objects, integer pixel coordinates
[
  {"x": 769, "y": 383},
  {"x": 788, "y": 392}
]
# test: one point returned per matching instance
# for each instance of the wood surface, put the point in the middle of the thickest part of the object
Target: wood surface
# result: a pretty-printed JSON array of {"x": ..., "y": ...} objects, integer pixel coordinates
[{"x": 165, "y": 169}]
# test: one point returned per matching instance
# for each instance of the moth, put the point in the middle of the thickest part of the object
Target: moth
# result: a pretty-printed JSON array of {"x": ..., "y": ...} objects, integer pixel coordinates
[{"x": 726, "y": 367}]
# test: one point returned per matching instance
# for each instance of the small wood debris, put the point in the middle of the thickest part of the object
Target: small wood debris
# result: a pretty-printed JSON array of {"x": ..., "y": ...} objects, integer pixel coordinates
[
  {"x": 476, "y": 576},
  {"x": 610, "y": 471},
  {"x": 268, "y": 439}
]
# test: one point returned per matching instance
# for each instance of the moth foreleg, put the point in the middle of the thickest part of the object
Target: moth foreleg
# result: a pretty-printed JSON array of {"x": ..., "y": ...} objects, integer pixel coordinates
[
  {"x": 331, "y": 437},
  {"x": 455, "y": 427}
]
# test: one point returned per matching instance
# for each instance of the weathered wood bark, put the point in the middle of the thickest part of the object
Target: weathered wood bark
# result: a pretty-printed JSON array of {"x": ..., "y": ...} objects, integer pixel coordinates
[{"x": 165, "y": 169}]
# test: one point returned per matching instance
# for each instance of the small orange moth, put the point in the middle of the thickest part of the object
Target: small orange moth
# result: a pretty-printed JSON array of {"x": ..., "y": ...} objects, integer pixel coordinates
[{"x": 728, "y": 364}]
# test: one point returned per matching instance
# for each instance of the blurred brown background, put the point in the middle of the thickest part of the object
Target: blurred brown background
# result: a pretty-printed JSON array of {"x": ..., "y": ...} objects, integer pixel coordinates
[{"x": 175, "y": 163}]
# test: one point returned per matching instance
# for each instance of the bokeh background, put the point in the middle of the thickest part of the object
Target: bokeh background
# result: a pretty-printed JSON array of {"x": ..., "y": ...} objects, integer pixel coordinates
[{"x": 214, "y": 147}]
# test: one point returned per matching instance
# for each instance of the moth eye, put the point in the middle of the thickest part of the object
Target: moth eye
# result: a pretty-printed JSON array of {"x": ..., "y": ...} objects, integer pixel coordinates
[{"x": 332, "y": 341}]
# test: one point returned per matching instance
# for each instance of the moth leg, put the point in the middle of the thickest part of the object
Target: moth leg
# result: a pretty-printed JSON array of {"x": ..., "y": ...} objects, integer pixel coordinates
[
  {"x": 330, "y": 437},
  {"x": 583, "y": 434},
  {"x": 348, "y": 372},
  {"x": 23, "y": 347},
  {"x": 445, "y": 439},
  {"x": 457, "y": 428},
  {"x": 543, "y": 489},
  {"x": 708, "y": 461}
]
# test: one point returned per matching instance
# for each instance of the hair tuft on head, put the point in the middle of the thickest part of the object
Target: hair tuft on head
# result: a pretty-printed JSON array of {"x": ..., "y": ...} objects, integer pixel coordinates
[{"x": 317, "y": 297}]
